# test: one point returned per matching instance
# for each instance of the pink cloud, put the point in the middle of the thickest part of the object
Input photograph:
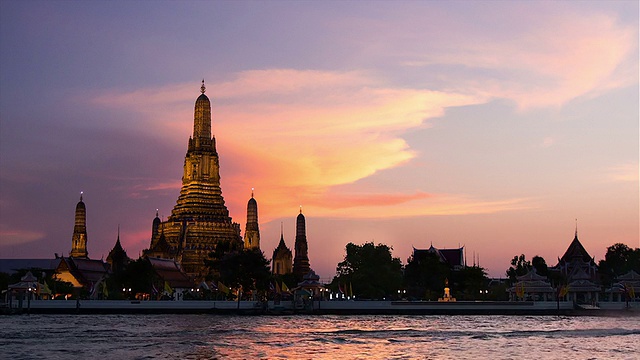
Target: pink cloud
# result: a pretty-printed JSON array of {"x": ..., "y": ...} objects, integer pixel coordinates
[
  {"x": 627, "y": 172},
  {"x": 550, "y": 58},
  {"x": 294, "y": 135},
  {"x": 10, "y": 237}
]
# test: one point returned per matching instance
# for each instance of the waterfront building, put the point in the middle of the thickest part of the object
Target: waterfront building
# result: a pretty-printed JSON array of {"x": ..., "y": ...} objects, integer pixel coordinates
[
  {"x": 28, "y": 288},
  {"x": 173, "y": 281},
  {"x": 81, "y": 273},
  {"x": 301, "y": 264},
  {"x": 281, "y": 261},
  {"x": 626, "y": 288},
  {"x": 200, "y": 220},
  {"x": 580, "y": 271},
  {"x": 311, "y": 283},
  {"x": 532, "y": 286},
  {"x": 252, "y": 230}
]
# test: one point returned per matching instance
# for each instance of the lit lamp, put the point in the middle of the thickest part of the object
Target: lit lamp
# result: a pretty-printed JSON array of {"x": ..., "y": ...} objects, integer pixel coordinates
[{"x": 29, "y": 299}]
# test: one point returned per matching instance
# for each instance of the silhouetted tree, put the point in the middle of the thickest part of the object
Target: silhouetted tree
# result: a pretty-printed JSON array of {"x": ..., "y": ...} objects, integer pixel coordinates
[
  {"x": 467, "y": 282},
  {"x": 424, "y": 276},
  {"x": 246, "y": 267},
  {"x": 519, "y": 266},
  {"x": 370, "y": 270},
  {"x": 138, "y": 275},
  {"x": 618, "y": 260},
  {"x": 540, "y": 265}
]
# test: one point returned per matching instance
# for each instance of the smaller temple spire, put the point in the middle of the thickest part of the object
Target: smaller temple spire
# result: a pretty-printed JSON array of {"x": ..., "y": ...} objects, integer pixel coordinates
[
  {"x": 203, "y": 88},
  {"x": 81, "y": 192},
  {"x": 252, "y": 192},
  {"x": 576, "y": 228},
  {"x": 300, "y": 209}
]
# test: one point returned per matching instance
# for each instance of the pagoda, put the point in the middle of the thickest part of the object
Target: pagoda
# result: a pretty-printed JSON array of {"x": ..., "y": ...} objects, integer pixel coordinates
[{"x": 200, "y": 220}]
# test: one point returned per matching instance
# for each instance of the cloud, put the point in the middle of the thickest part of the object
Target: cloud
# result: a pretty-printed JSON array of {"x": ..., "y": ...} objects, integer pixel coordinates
[
  {"x": 10, "y": 237},
  {"x": 550, "y": 58},
  {"x": 547, "y": 142},
  {"x": 294, "y": 135},
  {"x": 627, "y": 172}
]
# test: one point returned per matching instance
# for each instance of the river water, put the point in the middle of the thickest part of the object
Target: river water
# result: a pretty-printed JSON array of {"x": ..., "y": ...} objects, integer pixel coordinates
[{"x": 317, "y": 337}]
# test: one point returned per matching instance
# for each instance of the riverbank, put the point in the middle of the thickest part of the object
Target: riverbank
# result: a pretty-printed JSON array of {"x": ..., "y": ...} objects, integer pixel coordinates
[{"x": 320, "y": 307}]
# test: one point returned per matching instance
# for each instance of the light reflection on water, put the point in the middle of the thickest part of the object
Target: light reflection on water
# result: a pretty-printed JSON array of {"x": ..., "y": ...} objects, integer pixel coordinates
[{"x": 317, "y": 337}]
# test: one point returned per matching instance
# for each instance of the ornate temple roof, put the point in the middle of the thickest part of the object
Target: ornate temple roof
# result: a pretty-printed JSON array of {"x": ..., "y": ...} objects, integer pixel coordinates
[
  {"x": 575, "y": 251},
  {"x": 171, "y": 272}
]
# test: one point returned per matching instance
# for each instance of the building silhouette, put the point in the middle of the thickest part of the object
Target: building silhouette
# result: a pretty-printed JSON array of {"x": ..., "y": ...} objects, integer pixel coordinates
[{"x": 117, "y": 258}]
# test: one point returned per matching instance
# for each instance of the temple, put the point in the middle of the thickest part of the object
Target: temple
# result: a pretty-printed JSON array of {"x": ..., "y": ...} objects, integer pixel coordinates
[
  {"x": 252, "y": 230},
  {"x": 580, "y": 271},
  {"x": 301, "y": 260},
  {"x": 281, "y": 262},
  {"x": 200, "y": 220},
  {"x": 79, "y": 240},
  {"x": 117, "y": 258}
]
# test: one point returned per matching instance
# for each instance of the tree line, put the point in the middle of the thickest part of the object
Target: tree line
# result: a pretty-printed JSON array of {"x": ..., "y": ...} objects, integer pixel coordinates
[{"x": 368, "y": 271}]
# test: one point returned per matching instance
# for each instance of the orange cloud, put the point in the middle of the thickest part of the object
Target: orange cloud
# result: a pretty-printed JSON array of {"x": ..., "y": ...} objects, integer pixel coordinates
[{"x": 297, "y": 135}]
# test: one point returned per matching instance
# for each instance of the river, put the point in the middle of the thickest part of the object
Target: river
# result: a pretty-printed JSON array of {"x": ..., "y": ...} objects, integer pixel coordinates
[{"x": 317, "y": 337}]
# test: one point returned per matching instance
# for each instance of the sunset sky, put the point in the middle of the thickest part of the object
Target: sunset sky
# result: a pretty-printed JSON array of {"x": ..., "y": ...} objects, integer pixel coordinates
[{"x": 489, "y": 125}]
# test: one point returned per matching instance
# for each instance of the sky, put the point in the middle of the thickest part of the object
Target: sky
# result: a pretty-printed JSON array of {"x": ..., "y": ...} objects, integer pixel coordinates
[{"x": 497, "y": 126}]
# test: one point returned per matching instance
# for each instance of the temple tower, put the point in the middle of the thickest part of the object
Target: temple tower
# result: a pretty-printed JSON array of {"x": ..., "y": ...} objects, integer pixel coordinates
[
  {"x": 252, "y": 231},
  {"x": 79, "y": 240},
  {"x": 301, "y": 259},
  {"x": 199, "y": 220}
]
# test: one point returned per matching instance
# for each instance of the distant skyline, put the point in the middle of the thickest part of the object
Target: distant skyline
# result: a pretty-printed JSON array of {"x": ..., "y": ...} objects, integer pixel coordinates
[{"x": 489, "y": 125}]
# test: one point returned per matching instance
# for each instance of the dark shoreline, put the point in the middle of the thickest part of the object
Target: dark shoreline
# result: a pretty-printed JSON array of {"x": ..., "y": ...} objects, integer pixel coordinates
[{"x": 344, "y": 308}]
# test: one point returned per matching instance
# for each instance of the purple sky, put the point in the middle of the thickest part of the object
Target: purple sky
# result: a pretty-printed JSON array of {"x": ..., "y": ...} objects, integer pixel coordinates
[{"x": 492, "y": 125}]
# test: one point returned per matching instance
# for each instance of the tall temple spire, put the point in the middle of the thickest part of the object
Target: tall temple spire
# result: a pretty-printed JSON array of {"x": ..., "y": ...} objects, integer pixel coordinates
[
  {"x": 79, "y": 239},
  {"x": 200, "y": 219},
  {"x": 201, "y": 195},
  {"x": 252, "y": 231},
  {"x": 301, "y": 260}
]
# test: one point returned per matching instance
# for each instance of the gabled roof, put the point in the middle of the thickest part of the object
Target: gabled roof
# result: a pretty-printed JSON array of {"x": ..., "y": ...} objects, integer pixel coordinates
[
  {"x": 171, "y": 272},
  {"x": 453, "y": 257},
  {"x": 630, "y": 276},
  {"x": 532, "y": 275},
  {"x": 576, "y": 251},
  {"x": 90, "y": 270},
  {"x": 282, "y": 248}
]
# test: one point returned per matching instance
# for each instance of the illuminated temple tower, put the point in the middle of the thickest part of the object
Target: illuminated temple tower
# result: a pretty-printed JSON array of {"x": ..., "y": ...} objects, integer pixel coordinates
[
  {"x": 252, "y": 230},
  {"x": 79, "y": 240},
  {"x": 200, "y": 220},
  {"x": 301, "y": 259}
]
